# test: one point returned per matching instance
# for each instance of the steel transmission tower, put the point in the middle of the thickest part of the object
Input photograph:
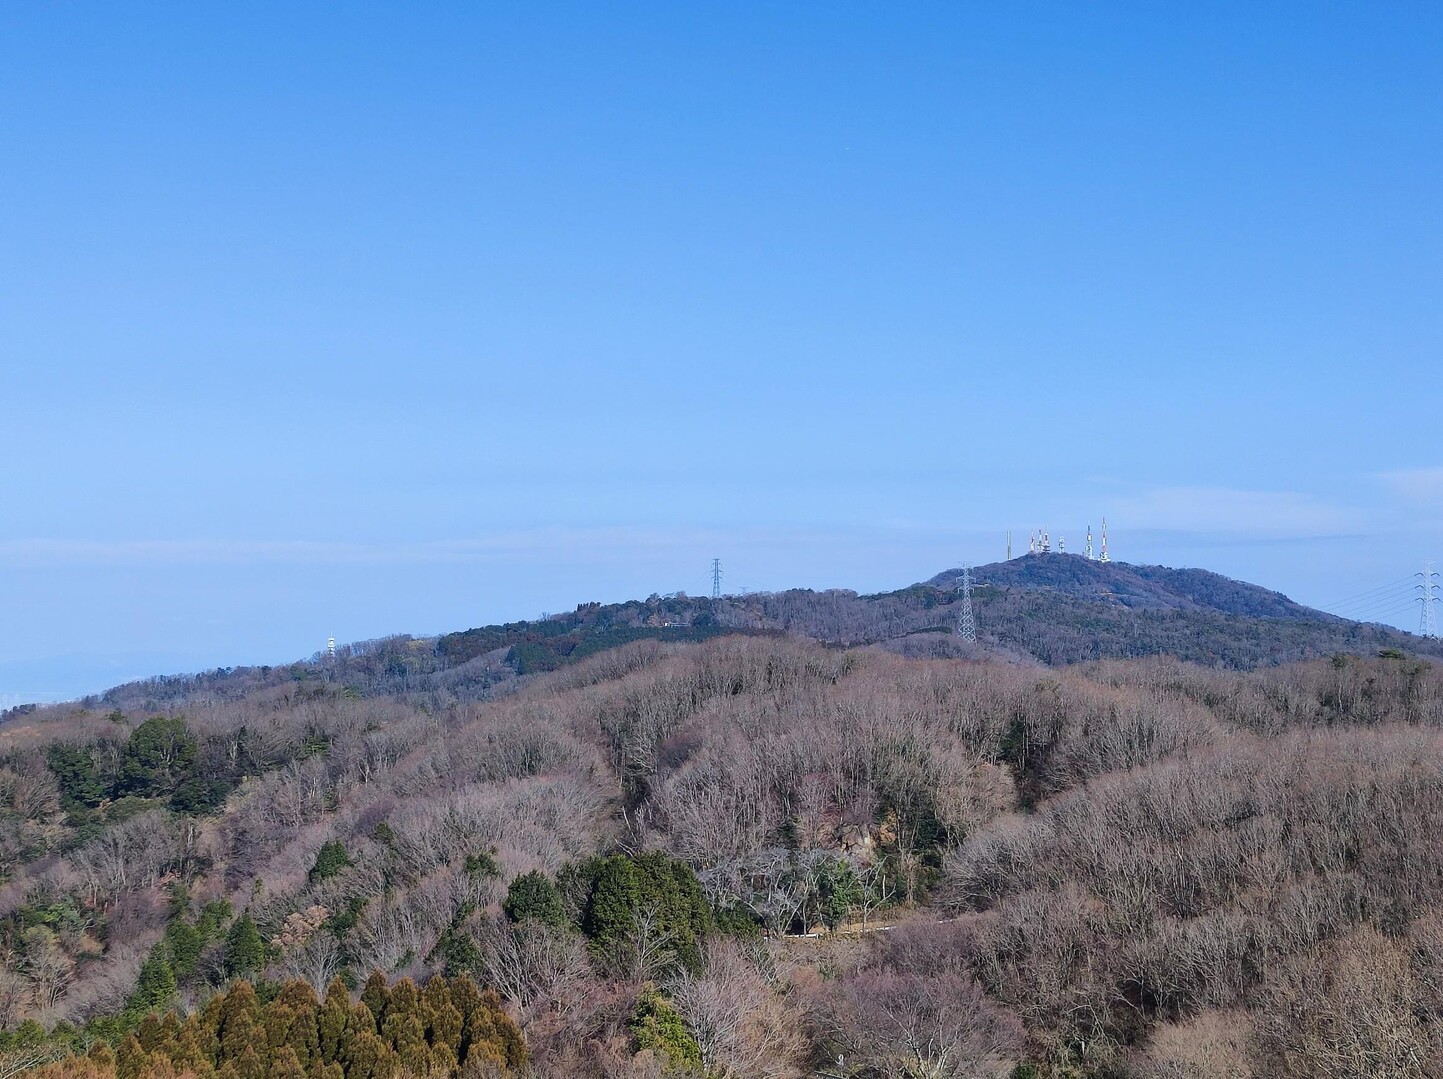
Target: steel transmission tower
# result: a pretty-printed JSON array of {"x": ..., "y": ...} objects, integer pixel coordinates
[
  {"x": 967, "y": 622},
  {"x": 1428, "y": 599},
  {"x": 716, "y": 578}
]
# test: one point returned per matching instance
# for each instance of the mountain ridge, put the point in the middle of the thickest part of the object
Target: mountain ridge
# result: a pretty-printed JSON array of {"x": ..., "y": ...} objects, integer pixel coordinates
[
  {"x": 1048, "y": 610},
  {"x": 1138, "y": 587}
]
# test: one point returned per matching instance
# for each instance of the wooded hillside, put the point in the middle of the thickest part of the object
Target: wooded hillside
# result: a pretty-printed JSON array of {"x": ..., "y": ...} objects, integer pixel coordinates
[
  {"x": 1035, "y": 610},
  {"x": 1127, "y": 868}
]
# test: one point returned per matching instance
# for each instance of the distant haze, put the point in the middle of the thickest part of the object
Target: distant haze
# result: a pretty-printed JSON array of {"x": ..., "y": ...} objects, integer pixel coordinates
[{"x": 409, "y": 320}]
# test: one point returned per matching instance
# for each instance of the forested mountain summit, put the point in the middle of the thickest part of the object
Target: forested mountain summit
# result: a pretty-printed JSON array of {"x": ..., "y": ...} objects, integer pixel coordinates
[
  {"x": 1036, "y": 610},
  {"x": 1136, "y": 587},
  {"x": 1049, "y": 610}
]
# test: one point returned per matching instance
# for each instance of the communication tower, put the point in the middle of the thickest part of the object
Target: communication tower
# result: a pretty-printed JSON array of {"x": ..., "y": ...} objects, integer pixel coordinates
[
  {"x": 1428, "y": 600},
  {"x": 1009, "y": 545},
  {"x": 1089, "y": 543},
  {"x": 966, "y": 623},
  {"x": 331, "y": 647},
  {"x": 1103, "y": 557}
]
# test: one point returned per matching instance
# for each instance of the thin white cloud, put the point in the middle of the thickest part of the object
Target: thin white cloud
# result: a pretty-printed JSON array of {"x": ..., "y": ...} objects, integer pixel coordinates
[
  {"x": 1420, "y": 485},
  {"x": 492, "y": 547},
  {"x": 1233, "y": 511}
]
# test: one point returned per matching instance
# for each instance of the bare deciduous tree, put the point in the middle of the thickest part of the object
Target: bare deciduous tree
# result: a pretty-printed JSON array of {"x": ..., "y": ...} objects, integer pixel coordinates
[{"x": 742, "y": 1025}]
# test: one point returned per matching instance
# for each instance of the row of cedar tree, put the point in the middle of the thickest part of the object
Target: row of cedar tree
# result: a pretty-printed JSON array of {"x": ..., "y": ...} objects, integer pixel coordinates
[{"x": 449, "y": 1027}]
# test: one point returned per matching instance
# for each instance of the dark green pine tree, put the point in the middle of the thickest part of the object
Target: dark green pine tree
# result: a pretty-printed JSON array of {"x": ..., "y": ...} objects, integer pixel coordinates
[
  {"x": 185, "y": 942},
  {"x": 533, "y": 897},
  {"x": 330, "y": 860},
  {"x": 75, "y": 774},
  {"x": 610, "y": 910},
  {"x": 155, "y": 989},
  {"x": 245, "y": 951},
  {"x": 159, "y": 753}
]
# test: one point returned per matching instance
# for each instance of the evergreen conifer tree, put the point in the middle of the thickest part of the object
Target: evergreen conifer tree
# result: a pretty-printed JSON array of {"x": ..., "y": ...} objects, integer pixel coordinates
[
  {"x": 533, "y": 896},
  {"x": 285, "y": 1065},
  {"x": 376, "y": 996},
  {"x": 155, "y": 988},
  {"x": 611, "y": 908},
  {"x": 245, "y": 951},
  {"x": 330, "y": 860},
  {"x": 332, "y": 1020}
]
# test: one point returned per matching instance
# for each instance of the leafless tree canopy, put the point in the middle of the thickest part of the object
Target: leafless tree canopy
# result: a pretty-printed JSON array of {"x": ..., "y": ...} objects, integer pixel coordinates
[{"x": 1126, "y": 868}]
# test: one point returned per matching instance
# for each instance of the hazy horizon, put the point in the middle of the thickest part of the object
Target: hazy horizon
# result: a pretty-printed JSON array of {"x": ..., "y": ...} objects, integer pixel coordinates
[{"x": 405, "y": 321}]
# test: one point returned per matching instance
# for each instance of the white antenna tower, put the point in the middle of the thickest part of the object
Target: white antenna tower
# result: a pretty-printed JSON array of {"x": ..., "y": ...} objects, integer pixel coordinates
[
  {"x": 331, "y": 647},
  {"x": 966, "y": 623},
  {"x": 1103, "y": 556},
  {"x": 1428, "y": 598},
  {"x": 1089, "y": 543},
  {"x": 1009, "y": 545},
  {"x": 1061, "y": 545}
]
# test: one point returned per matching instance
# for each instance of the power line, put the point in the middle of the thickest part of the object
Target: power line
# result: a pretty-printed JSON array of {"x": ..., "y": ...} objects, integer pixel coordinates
[
  {"x": 1390, "y": 599},
  {"x": 1380, "y": 614},
  {"x": 1348, "y": 601},
  {"x": 1403, "y": 594}
]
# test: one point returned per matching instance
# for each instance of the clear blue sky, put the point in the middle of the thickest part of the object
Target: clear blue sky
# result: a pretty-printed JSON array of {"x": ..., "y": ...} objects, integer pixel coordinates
[{"x": 376, "y": 318}]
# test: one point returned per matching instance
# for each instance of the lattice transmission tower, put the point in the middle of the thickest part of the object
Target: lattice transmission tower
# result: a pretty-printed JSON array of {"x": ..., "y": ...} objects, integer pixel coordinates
[
  {"x": 716, "y": 578},
  {"x": 966, "y": 622},
  {"x": 1428, "y": 600}
]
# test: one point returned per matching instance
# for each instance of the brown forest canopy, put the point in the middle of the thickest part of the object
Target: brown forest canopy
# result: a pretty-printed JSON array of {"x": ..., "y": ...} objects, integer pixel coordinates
[{"x": 1139, "y": 867}]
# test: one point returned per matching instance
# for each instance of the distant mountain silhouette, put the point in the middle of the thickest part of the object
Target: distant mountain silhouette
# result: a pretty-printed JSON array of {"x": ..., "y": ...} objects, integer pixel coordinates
[
  {"x": 1036, "y": 610},
  {"x": 1138, "y": 588}
]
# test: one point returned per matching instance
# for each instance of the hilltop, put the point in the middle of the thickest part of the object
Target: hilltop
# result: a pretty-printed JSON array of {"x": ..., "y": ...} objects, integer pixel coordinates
[
  {"x": 1037, "y": 610},
  {"x": 1137, "y": 588}
]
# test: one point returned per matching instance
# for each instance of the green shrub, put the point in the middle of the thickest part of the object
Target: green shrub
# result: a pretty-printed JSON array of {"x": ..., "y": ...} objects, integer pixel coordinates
[
  {"x": 330, "y": 860},
  {"x": 657, "y": 1026},
  {"x": 533, "y": 897}
]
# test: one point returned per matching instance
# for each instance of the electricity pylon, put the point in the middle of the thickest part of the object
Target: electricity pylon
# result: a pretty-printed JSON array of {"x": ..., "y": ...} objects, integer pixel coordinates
[
  {"x": 966, "y": 623},
  {"x": 1428, "y": 598}
]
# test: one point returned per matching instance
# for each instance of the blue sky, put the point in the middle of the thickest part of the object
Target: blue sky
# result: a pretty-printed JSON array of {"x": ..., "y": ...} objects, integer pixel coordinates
[{"x": 375, "y": 318}]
